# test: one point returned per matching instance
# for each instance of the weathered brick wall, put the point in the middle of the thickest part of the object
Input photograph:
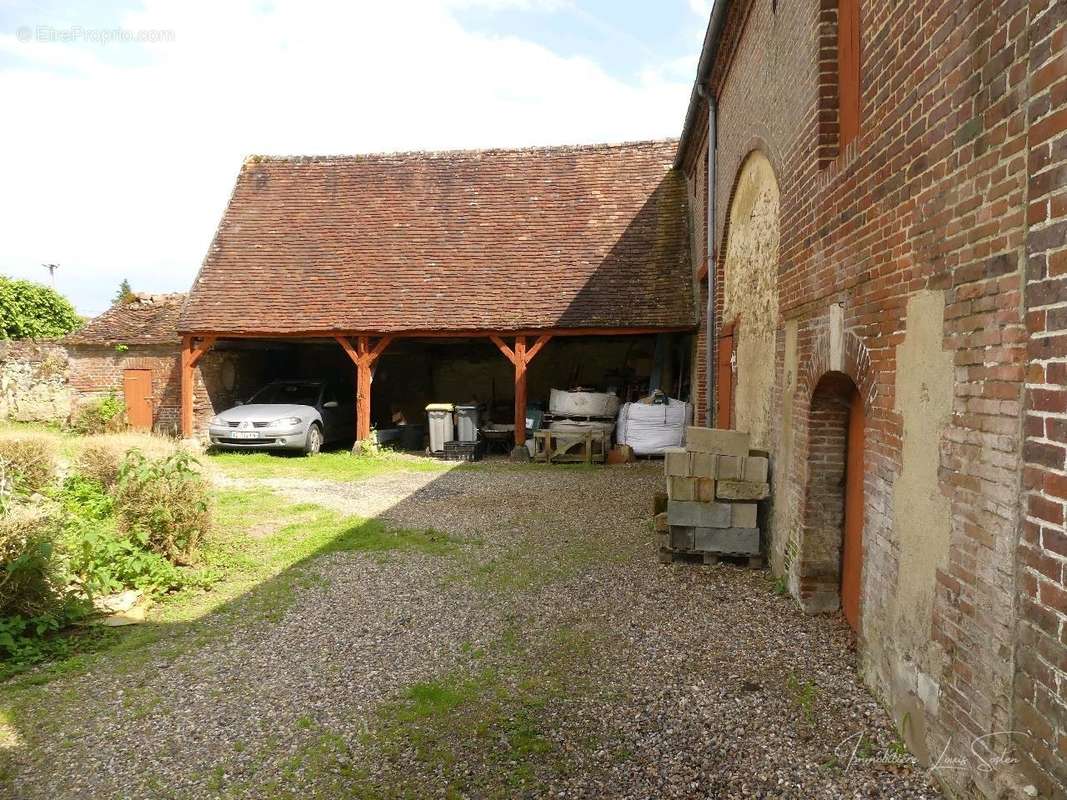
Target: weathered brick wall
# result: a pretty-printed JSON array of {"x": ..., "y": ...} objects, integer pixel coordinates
[
  {"x": 97, "y": 370},
  {"x": 1041, "y": 683},
  {"x": 928, "y": 201}
]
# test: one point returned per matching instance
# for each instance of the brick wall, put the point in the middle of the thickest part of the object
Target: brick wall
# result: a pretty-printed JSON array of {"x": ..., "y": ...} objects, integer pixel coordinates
[
  {"x": 97, "y": 370},
  {"x": 1041, "y": 683},
  {"x": 931, "y": 197}
]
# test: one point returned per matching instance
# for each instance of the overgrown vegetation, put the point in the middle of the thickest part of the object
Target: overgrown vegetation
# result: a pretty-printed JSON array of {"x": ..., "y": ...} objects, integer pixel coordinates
[
  {"x": 104, "y": 415},
  {"x": 31, "y": 311},
  {"x": 62, "y": 543},
  {"x": 162, "y": 504}
]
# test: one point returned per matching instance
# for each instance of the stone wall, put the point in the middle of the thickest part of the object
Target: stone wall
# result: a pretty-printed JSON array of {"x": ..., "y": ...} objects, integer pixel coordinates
[{"x": 33, "y": 382}]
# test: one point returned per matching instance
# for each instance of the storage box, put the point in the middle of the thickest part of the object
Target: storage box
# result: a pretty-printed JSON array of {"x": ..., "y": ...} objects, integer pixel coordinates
[{"x": 716, "y": 440}]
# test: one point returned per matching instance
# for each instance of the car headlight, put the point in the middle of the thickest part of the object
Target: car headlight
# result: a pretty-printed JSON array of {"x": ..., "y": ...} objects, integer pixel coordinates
[
  {"x": 217, "y": 420},
  {"x": 285, "y": 422}
]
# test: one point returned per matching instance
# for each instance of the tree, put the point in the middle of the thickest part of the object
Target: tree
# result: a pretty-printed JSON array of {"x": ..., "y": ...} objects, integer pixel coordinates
[
  {"x": 125, "y": 294},
  {"x": 32, "y": 311}
]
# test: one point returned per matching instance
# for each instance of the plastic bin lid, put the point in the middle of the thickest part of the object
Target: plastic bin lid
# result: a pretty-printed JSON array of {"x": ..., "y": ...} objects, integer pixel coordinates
[
  {"x": 466, "y": 407},
  {"x": 440, "y": 407}
]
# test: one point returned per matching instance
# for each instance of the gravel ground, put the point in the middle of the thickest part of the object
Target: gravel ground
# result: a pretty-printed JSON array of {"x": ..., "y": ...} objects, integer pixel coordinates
[{"x": 634, "y": 679}]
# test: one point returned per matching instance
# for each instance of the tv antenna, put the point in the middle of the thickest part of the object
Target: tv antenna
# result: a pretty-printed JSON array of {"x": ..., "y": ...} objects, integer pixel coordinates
[{"x": 51, "y": 272}]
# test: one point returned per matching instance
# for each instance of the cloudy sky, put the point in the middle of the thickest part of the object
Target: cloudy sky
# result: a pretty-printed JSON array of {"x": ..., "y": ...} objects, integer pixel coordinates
[{"x": 126, "y": 122}]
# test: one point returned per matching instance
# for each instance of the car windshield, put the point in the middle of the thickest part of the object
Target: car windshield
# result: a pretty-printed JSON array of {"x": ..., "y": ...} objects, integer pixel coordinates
[{"x": 299, "y": 394}]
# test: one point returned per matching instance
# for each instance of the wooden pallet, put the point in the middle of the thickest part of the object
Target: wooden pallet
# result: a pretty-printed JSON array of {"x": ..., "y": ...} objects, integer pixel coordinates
[
  {"x": 554, "y": 447},
  {"x": 669, "y": 556}
]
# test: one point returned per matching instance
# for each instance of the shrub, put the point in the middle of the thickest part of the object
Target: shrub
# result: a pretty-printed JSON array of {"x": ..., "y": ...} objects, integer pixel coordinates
[
  {"x": 31, "y": 311},
  {"x": 31, "y": 580},
  {"x": 105, "y": 415},
  {"x": 101, "y": 457},
  {"x": 27, "y": 462},
  {"x": 163, "y": 504}
]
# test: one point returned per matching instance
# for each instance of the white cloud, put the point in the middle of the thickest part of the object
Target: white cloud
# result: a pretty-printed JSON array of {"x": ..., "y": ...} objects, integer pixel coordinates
[
  {"x": 701, "y": 7},
  {"x": 122, "y": 171}
]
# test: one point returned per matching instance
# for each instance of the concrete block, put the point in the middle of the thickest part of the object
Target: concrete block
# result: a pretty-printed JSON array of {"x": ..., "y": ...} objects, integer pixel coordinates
[
  {"x": 676, "y": 461},
  {"x": 700, "y": 515},
  {"x": 681, "y": 488},
  {"x": 681, "y": 537},
  {"x": 728, "y": 468},
  {"x": 715, "y": 440},
  {"x": 659, "y": 522},
  {"x": 702, "y": 465},
  {"x": 741, "y": 490},
  {"x": 705, "y": 490},
  {"x": 755, "y": 469},
  {"x": 744, "y": 515},
  {"x": 663, "y": 539},
  {"x": 741, "y": 541}
]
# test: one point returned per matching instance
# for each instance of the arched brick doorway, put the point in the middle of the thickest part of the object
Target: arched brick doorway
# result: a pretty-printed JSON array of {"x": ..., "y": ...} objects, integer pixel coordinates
[{"x": 831, "y": 562}]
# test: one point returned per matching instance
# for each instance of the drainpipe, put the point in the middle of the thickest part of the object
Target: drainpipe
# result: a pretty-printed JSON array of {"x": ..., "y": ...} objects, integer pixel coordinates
[{"x": 712, "y": 322}]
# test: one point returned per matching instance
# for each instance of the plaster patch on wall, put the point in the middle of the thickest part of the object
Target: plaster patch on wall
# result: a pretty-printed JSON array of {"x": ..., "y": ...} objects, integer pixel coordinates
[
  {"x": 750, "y": 294},
  {"x": 921, "y": 513}
]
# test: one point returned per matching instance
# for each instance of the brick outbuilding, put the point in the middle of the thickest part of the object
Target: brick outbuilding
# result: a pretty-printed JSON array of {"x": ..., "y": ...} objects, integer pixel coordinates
[{"x": 887, "y": 263}]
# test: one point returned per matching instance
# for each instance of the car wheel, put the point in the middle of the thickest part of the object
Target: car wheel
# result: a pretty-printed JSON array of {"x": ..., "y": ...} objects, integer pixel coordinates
[{"x": 313, "y": 442}]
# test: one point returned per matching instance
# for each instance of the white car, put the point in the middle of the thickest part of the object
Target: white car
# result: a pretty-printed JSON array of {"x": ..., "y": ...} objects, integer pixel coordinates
[{"x": 287, "y": 415}]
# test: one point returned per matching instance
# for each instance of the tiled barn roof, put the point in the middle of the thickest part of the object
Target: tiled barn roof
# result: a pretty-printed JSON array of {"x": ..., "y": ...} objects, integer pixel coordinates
[
  {"x": 592, "y": 236},
  {"x": 147, "y": 319}
]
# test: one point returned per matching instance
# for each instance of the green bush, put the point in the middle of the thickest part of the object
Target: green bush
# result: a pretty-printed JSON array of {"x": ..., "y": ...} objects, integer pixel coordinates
[
  {"x": 32, "y": 580},
  {"x": 27, "y": 462},
  {"x": 163, "y": 504},
  {"x": 106, "y": 415},
  {"x": 31, "y": 311}
]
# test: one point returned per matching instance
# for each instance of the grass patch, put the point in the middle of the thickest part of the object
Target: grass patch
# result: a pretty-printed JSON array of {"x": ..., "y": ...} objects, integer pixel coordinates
[{"x": 334, "y": 466}]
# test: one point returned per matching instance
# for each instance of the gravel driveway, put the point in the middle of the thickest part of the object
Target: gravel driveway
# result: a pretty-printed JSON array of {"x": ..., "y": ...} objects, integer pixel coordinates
[{"x": 548, "y": 655}]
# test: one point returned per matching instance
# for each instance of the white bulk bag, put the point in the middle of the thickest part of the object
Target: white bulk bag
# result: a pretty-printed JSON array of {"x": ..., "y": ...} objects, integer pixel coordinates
[{"x": 650, "y": 429}]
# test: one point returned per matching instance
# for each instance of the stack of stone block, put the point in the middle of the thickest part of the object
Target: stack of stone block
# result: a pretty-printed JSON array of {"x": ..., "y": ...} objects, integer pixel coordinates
[{"x": 713, "y": 486}]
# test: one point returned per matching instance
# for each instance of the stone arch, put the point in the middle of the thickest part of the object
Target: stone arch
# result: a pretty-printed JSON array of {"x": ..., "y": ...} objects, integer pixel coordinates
[{"x": 750, "y": 292}]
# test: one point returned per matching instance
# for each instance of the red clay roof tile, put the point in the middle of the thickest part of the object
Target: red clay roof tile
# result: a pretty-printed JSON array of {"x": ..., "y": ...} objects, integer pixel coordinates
[
  {"x": 148, "y": 319},
  {"x": 591, "y": 236}
]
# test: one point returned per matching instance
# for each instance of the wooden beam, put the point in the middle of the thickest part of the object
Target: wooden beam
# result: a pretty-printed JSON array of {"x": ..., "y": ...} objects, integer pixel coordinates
[
  {"x": 466, "y": 333},
  {"x": 363, "y": 382},
  {"x": 379, "y": 348},
  {"x": 347, "y": 345},
  {"x": 542, "y": 340},
  {"x": 187, "y": 377},
  {"x": 509, "y": 354},
  {"x": 520, "y": 391},
  {"x": 198, "y": 352}
]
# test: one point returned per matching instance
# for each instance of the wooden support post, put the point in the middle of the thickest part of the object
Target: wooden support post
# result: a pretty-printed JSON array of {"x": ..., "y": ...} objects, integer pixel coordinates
[
  {"x": 520, "y": 391},
  {"x": 521, "y": 357},
  {"x": 364, "y": 356},
  {"x": 190, "y": 357}
]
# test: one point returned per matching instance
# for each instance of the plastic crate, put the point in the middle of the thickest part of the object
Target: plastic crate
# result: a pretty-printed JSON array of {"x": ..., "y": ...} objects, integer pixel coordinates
[{"x": 463, "y": 451}]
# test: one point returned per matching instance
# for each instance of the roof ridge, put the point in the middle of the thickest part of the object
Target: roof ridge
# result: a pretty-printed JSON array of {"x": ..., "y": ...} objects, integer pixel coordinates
[{"x": 531, "y": 149}]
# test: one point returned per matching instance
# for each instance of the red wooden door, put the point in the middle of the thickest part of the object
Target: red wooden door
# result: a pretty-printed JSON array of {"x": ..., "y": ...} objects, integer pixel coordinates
[
  {"x": 724, "y": 378},
  {"x": 137, "y": 392},
  {"x": 852, "y": 546}
]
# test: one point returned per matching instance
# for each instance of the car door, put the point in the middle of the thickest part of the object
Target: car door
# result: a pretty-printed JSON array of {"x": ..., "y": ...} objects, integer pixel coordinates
[{"x": 334, "y": 422}]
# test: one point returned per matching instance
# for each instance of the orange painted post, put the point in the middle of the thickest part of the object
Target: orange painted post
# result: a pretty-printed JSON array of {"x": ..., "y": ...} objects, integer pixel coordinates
[
  {"x": 520, "y": 391},
  {"x": 191, "y": 355},
  {"x": 363, "y": 356},
  {"x": 187, "y": 387}
]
